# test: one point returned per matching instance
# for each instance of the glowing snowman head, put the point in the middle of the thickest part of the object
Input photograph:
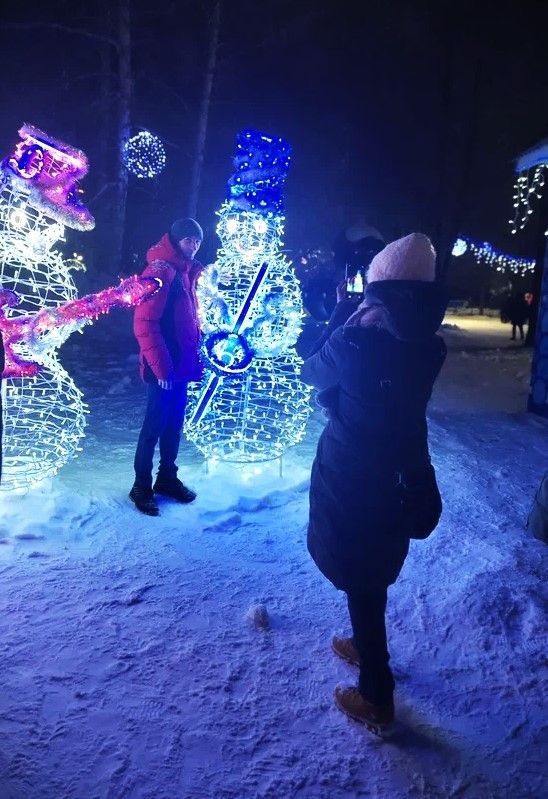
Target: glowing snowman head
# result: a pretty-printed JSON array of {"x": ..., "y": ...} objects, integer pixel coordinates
[{"x": 248, "y": 234}]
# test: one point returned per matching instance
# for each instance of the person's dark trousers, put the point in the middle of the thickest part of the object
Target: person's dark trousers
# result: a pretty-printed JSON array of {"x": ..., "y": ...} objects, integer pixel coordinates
[
  {"x": 163, "y": 422},
  {"x": 520, "y": 328},
  {"x": 367, "y": 611}
]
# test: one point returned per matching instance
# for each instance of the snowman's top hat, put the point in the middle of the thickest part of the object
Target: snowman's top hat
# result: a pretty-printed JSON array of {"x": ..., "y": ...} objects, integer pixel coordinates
[{"x": 261, "y": 165}]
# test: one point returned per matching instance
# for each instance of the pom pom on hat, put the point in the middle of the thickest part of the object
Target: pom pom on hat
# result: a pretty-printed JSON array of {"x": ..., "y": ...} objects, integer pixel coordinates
[{"x": 410, "y": 258}]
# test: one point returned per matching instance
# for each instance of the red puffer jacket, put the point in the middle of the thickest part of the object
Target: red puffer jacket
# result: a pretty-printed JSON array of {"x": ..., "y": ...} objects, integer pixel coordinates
[{"x": 166, "y": 325}]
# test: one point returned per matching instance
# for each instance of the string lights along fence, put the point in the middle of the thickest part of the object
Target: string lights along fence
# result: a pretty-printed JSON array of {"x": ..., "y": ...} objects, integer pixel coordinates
[
  {"x": 43, "y": 410},
  {"x": 251, "y": 404}
]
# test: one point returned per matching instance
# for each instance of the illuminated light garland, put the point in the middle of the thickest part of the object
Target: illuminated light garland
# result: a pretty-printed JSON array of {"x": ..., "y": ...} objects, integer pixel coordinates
[
  {"x": 44, "y": 412},
  {"x": 485, "y": 253},
  {"x": 252, "y": 404},
  {"x": 48, "y": 171},
  {"x": 144, "y": 155},
  {"x": 44, "y": 421},
  {"x": 255, "y": 416},
  {"x": 528, "y": 186},
  {"x": 29, "y": 335}
]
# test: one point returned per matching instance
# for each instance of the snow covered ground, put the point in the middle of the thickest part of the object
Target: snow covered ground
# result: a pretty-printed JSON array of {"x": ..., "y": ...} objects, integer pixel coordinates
[{"x": 136, "y": 661}]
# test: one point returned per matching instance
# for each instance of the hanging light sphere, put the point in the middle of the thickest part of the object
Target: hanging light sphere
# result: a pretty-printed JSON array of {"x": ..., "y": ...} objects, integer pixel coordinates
[
  {"x": 459, "y": 247},
  {"x": 144, "y": 155}
]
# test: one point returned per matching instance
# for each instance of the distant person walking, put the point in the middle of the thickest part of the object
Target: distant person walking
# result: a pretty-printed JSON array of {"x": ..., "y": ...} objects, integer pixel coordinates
[
  {"x": 517, "y": 310},
  {"x": 372, "y": 484},
  {"x": 167, "y": 329}
]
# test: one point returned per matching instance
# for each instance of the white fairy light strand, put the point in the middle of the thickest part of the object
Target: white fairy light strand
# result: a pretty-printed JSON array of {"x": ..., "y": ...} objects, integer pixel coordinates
[
  {"x": 43, "y": 425},
  {"x": 528, "y": 186},
  {"x": 254, "y": 417},
  {"x": 44, "y": 417},
  {"x": 485, "y": 253}
]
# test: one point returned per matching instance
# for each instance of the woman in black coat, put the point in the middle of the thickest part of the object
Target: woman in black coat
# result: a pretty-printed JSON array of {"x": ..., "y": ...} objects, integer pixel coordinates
[{"x": 372, "y": 485}]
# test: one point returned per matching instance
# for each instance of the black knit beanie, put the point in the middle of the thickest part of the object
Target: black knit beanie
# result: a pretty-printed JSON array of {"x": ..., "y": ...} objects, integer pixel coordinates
[{"x": 185, "y": 228}]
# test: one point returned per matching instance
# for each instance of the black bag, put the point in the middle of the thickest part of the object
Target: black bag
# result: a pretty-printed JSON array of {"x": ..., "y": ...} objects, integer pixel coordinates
[{"x": 419, "y": 502}]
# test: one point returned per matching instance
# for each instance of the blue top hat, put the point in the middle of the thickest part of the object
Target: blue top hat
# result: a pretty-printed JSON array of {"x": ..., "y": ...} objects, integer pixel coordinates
[{"x": 261, "y": 165}]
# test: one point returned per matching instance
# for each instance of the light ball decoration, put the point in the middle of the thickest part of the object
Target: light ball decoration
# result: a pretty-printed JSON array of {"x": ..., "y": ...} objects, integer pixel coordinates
[
  {"x": 252, "y": 404},
  {"x": 144, "y": 155}
]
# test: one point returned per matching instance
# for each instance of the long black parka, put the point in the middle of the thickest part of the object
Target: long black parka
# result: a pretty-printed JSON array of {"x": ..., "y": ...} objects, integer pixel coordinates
[{"x": 376, "y": 383}]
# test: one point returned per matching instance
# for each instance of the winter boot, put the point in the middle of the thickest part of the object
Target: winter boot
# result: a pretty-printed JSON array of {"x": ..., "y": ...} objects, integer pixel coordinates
[
  {"x": 174, "y": 488},
  {"x": 377, "y": 718},
  {"x": 144, "y": 500},
  {"x": 345, "y": 649}
]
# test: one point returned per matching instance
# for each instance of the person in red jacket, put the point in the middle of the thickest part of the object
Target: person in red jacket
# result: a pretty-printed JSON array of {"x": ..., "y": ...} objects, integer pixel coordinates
[{"x": 168, "y": 332}]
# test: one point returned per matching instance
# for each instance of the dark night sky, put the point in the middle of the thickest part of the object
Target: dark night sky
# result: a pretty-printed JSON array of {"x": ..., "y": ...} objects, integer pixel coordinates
[{"x": 378, "y": 103}]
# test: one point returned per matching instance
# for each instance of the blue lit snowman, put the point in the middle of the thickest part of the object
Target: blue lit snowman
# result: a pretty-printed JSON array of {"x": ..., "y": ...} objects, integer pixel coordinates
[{"x": 251, "y": 405}]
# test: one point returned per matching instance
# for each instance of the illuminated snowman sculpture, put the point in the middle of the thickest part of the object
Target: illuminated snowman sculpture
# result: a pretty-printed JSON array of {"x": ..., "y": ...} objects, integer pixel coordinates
[
  {"x": 44, "y": 414},
  {"x": 251, "y": 404}
]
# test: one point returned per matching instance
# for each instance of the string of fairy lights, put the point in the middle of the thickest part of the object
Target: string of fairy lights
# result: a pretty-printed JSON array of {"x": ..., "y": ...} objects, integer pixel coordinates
[
  {"x": 485, "y": 253},
  {"x": 528, "y": 188}
]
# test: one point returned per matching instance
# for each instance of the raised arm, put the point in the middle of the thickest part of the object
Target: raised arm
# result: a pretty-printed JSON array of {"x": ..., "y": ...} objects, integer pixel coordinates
[{"x": 323, "y": 368}]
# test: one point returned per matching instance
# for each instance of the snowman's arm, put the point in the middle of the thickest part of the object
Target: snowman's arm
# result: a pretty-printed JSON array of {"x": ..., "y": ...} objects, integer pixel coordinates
[{"x": 130, "y": 292}]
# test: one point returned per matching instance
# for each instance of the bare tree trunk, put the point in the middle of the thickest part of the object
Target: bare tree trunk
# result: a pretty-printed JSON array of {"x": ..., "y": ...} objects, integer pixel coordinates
[
  {"x": 214, "y": 30},
  {"x": 105, "y": 100},
  {"x": 124, "y": 109},
  {"x": 460, "y": 94}
]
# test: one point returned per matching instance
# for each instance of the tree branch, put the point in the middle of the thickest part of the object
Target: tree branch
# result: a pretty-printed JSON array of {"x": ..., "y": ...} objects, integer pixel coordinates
[
  {"x": 101, "y": 191},
  {"x": 22, "y": 26},
  {"x": 144, "y": 76}
]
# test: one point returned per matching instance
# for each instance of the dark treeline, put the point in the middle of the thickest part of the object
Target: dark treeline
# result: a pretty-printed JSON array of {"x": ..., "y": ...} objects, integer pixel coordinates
[{"x": 410, "y": 113}]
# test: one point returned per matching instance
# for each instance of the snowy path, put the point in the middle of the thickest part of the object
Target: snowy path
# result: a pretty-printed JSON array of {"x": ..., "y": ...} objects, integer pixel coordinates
[{"x": 131, "y": 668}]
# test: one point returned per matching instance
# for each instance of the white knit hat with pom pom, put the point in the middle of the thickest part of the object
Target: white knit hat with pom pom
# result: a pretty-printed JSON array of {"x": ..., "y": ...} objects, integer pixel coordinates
[{"x": 410, "y": 258}]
